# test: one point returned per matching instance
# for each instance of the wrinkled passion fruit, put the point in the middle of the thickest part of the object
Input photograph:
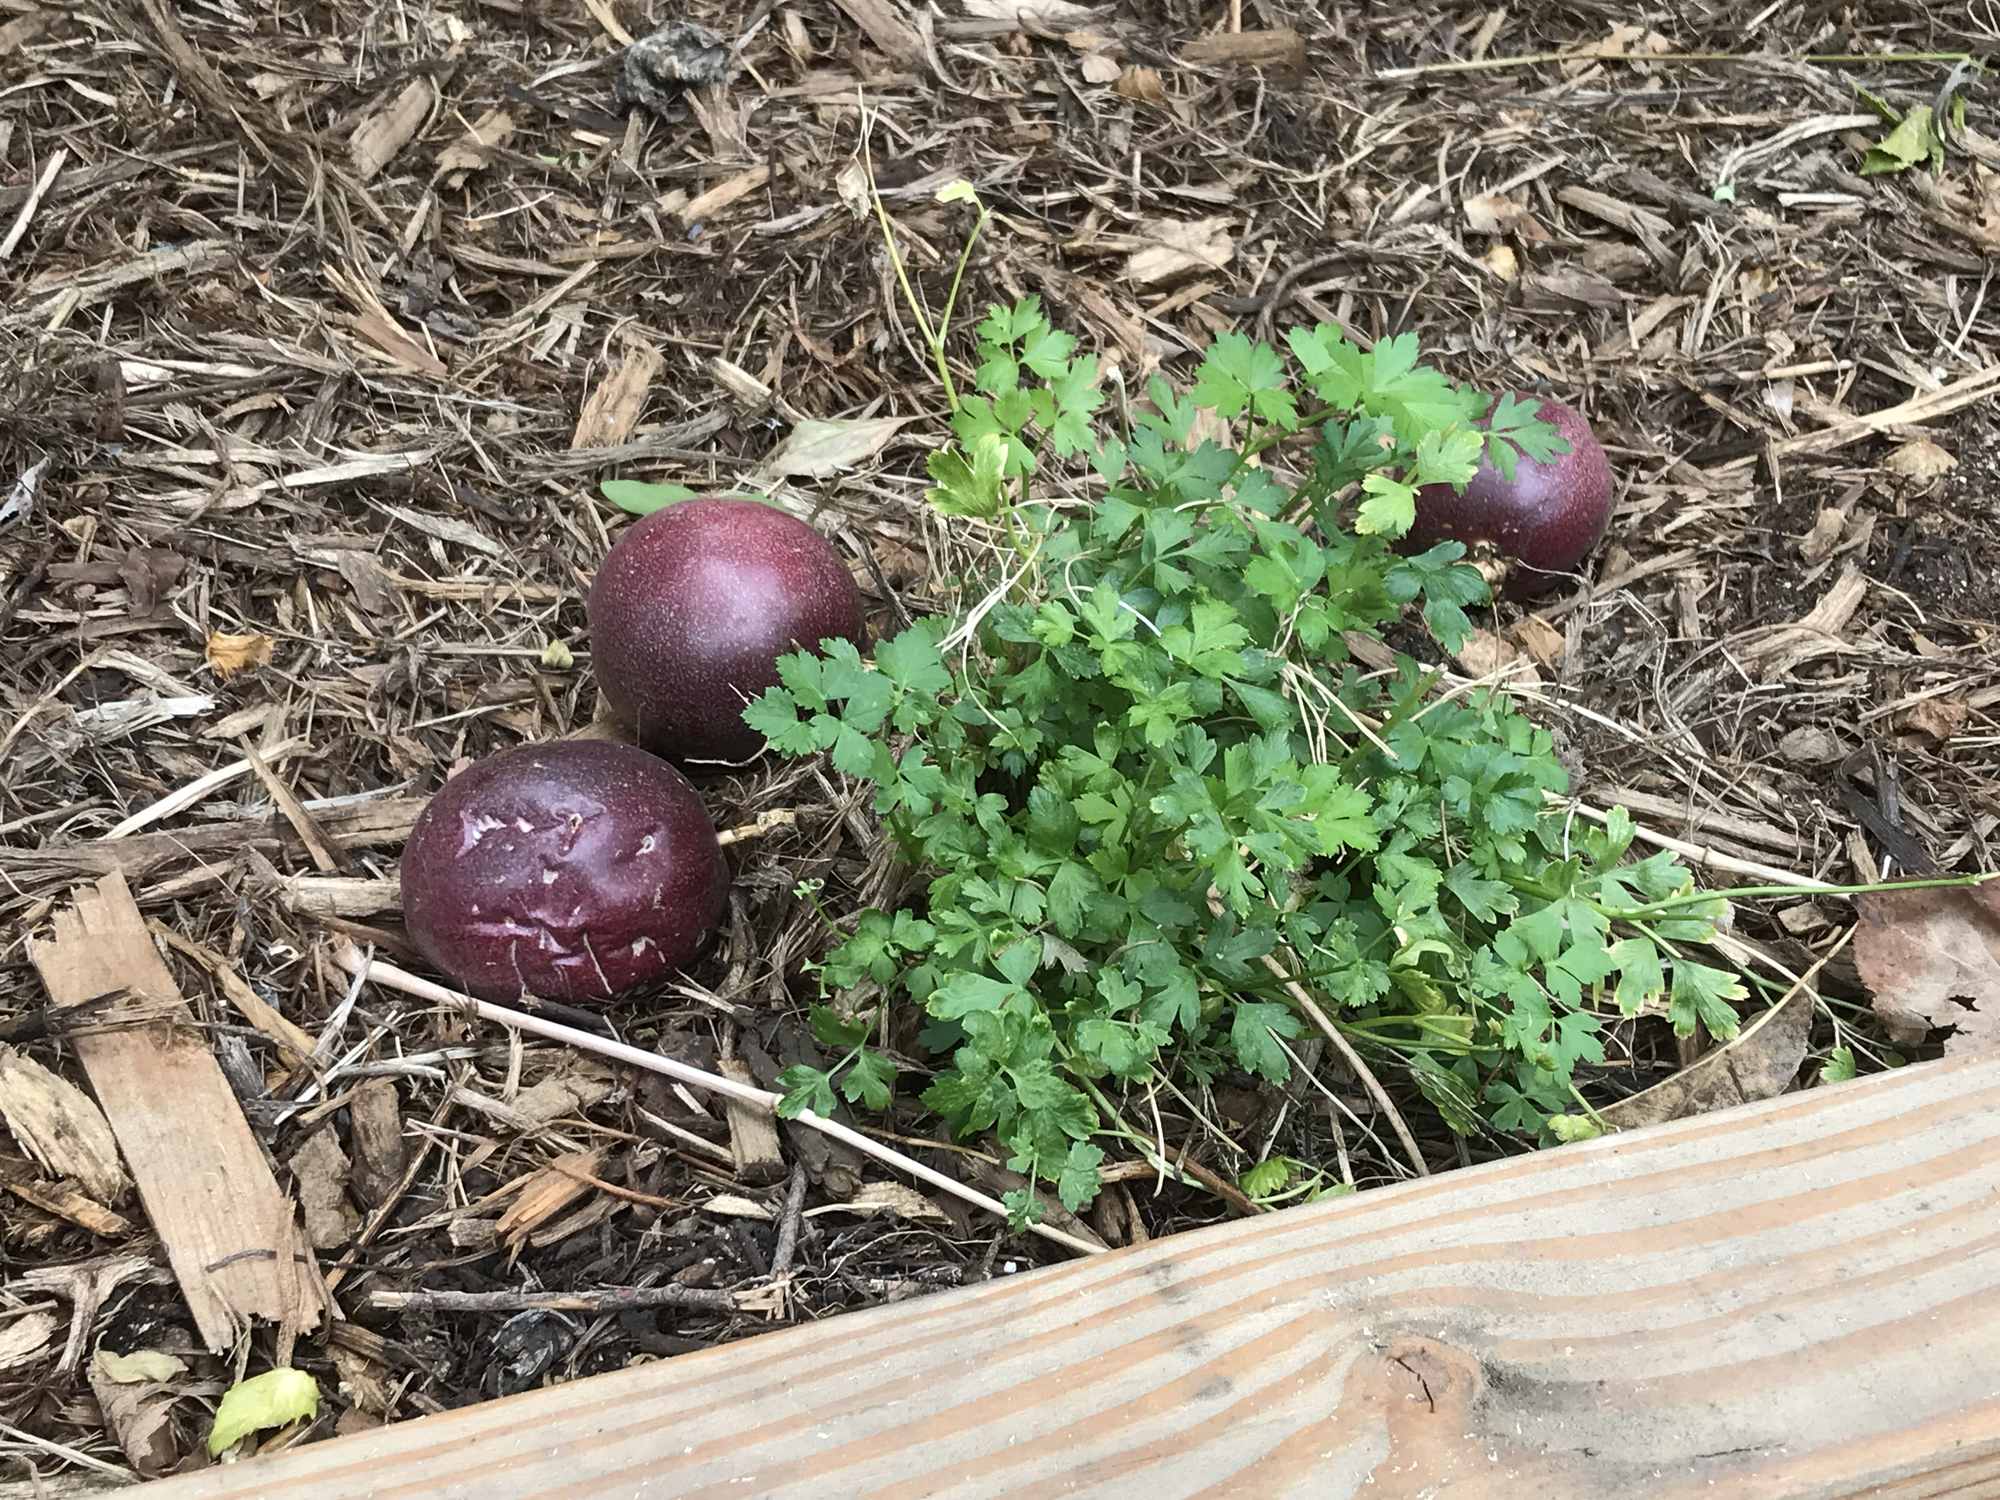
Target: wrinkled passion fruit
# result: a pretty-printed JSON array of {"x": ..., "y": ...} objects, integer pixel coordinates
[
  {"x": 691, "y": 611},
  {"x": 577, "y": 871},
  {"x": 1545, "y": 519}
]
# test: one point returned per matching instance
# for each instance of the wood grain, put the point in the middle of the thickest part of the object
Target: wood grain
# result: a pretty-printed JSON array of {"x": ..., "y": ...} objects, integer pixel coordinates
[
  {"x": 228, "y": 1230},
  {"x": 1795, "y": 1298}
]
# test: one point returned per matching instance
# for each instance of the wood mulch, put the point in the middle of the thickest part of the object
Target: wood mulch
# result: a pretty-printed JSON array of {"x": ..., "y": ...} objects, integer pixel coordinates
[{"x": 323, "y": 322}]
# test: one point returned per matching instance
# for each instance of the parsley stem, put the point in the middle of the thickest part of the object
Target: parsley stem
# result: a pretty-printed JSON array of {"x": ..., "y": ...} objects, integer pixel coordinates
[{"x": 1746, "y": 892}]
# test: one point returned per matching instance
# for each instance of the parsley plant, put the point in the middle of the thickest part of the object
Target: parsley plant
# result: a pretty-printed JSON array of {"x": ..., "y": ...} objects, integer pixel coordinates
[{"x": 1142, "y": 761}]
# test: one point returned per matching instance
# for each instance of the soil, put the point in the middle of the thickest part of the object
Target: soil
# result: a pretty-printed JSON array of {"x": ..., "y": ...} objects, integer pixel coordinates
[{"x": 323, "y": 323}]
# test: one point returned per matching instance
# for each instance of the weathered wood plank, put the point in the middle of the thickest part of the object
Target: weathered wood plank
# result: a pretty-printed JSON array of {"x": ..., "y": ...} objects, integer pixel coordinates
[
  {"x": 1797, "y": 1298},
  {"x": 228, "y": 1229}
]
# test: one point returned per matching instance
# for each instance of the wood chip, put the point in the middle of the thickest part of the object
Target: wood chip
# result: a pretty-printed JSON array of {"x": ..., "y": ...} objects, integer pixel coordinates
[
  {"x": 753, "y": 1133},
  {"x": 227, "y": 1230},
  {"x": 1282, "y": 48},
  {"x": 547, "y": 1193},
  {"x": 896, "y": 1198},
  {"x": 888, "y": 29},
  {"x": 62, "y": 1200},
  {"x": 725, "y": 193},
  {"x": 25, "y": 1340},
  {"x": 583, "y": 1084},
  {"x": 59, "y": 1127},
  {"x": 375, "y": 1126},
  {"x": 377, "y": 139},
  {"x": 475, "y": 148},
  {"x": 613, "y": 409}
]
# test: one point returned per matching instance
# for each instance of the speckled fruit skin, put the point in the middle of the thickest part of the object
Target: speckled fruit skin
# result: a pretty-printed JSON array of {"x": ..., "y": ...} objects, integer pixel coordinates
[
  {"x": 1548, "y": 518},
  {"x": 576, "y": 870},
  {"x": 691, "y": 611}
]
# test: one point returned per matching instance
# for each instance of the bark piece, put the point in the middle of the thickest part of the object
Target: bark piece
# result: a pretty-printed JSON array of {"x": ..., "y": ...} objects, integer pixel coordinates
[
  {"x": 375, "y": 1123},
  {"x": 59, "y": 1127}
]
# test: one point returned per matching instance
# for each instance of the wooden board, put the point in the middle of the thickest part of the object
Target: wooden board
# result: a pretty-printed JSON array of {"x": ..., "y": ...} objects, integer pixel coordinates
[
  {"x": 1796, "y": 1298},
  {"x": 206, "y": 1185}
]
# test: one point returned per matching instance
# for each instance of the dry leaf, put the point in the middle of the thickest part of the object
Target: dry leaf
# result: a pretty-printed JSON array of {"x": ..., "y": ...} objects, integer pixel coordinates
[
  {"x": 138, "y": 1367},
  {"x": 1142, "y": 85},
  {"x": 1099, "y": 68},
  {"x": 475, "y": 148},
  {"x": 1932, "y": 960},
  {"x": 1810, "y": 746},
  {"x": 374, "y": 589},
  {"x": 1939, "y": 718},
  {"x": 817, "y": 449},
  {"x": 1175, "y": 247},
  {"x": 1758, "y": 1063},
  {"x": 1541, "y": 640},
  {"x": 1922, "y": 460},
  {"x": 136, "y": 1409},
  {"x": 1485, "y": 653},
  {"x": 1502, "y": 262},
  {"x": 1820, "y": 542},
  {"x": 230, "y": 654},
  {"x": 1497, "y": 213}
]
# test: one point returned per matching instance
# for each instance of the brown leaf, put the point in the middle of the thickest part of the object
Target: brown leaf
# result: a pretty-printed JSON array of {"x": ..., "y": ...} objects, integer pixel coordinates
[
  {"x": 817, "y": 449},
  {"x": 1541, "y": 640},
  {"x": 1932, "y": 960},
  {"x": 1501, "y": 261},
  {"x": 1759, "y": 1062},
  {"x": 1497, "y": 213},
  {"x": 136, "y": 1405},
  {"x": 1820, "y": 542},
  {"x": 148, "y": 573},
  {"x": 1938, "y": 718},
  {"x": 1922, "y": 459},
  {"x": 1485, "y": 653},
  {"x": 230, "y": 654},
  {"x": 1142, "y": 85}
]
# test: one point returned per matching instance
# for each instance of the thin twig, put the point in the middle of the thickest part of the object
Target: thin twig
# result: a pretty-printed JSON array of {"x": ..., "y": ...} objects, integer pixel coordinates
[
  {"x": 1369, "y": 1081},
  {"x": 389, "y": 976},
  {"x": 1647, "y": 59},
  {"x": 610, "y": 1299},
  {"x": 1318, "y": 1017},
  {"x": 788, "y": 1225},
  {"x": 765, "y": 822},
  {"x": 1702, "y": 856}
]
